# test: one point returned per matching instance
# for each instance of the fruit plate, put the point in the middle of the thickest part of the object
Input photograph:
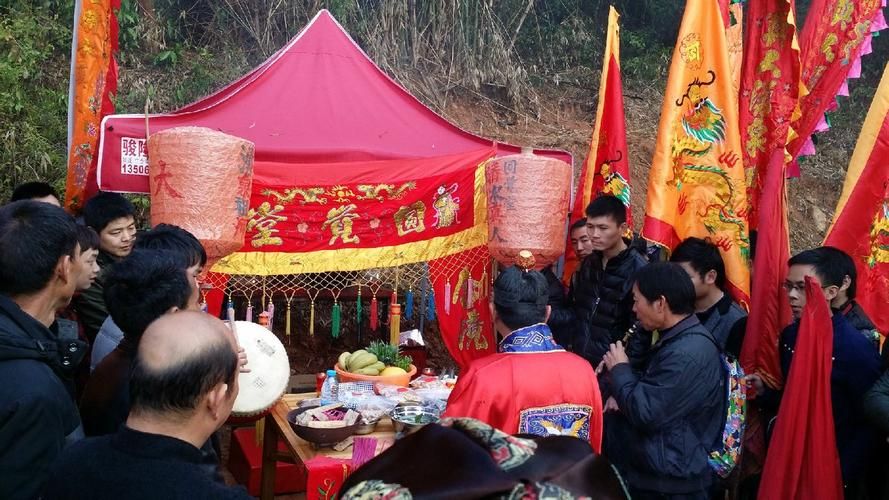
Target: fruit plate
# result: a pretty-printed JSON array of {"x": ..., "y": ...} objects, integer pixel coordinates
[{"x": 402, "y": 379}]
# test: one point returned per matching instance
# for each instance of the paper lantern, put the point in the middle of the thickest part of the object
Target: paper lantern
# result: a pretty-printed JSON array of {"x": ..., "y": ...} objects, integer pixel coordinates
[
  {"x": 200, "y": 180},
  {"x": 528, "y": 199}
]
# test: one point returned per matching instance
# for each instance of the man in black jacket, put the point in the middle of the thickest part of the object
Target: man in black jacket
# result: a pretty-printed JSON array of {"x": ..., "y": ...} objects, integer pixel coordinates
[
  {"x": 844, "y": 303},
  {"x": 182, "y": 389},
  {"x": 672, "y": 413},
  {"x": 561, "y": 319},
  {"x": 39, "y": 269},
  {"x": 715, "y": 309},
  {"x": 601, "y": 302}
]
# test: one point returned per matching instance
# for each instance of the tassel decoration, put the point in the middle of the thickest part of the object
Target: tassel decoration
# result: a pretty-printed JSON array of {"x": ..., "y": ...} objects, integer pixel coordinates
[
  {"x": 271, "y": 311},
  {"x": 409, "y": 304},
  {"x": 358, "y": 307},
  {"x": 287, "y": 321},
  {"x": 249, "y": 318},
  {"x": 447, "y": 302},
  {"x": 374, "y": 319},
  {"x": 394, "y": 323},
  {"x": 335, "y": 320},
  {"x": 430, "y": 305},
  {"x": 470, "y": 299},
  {"x": 312, "y": 318},
  {"x": 230, "y": 311}
]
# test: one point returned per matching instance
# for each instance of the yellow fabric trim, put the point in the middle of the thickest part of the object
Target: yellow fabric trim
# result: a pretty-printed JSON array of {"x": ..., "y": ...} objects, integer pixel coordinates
[
  {"x": 865, "y": 145},
  {"x": 354, "y": 259}
]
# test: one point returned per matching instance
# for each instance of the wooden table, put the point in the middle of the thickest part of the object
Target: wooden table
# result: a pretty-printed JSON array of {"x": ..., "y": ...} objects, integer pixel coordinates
[{"x": 298, "y": 449}]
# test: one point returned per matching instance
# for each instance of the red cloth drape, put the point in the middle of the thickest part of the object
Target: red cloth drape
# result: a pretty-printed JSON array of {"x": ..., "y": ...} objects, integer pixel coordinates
[
  {"x": 803, "y": 462},
  {"x": 769, "y": 311}
]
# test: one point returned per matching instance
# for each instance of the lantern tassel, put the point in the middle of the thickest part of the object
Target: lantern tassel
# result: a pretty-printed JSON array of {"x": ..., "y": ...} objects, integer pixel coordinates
[
  {"x": 447, "y": 294},
  {"x": 312, "y": 319},
  {"x": 230, "y": 311},
  {"x": 249, "y": 317},
  {"x": 394, "y": 323},
  {"x": 409, "y": 304},
  {"x": 374, "y": 320},
  {"x": 287, "y": 322},
  {"x": 430, "y": 305},
  {"x": 470, "y": 299},
  {"x": 271, "y": 311},
  {"x": 335, "y": 321}
]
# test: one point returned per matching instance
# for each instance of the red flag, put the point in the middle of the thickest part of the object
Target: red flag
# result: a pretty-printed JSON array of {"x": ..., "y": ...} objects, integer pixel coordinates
[
  {"x": 861, "y": 223},
  {"x": 803, "y": 462},
  {"x": 769, "y": 309},
  {"x": 769, "y": 90},
  {"x": 607, "y": 169},
  {"x": 835, "y": 36}
]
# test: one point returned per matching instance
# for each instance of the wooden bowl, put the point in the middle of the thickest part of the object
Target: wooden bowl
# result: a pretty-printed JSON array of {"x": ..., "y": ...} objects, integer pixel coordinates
[
  {"x": 402, "y": 380},
  {"x": 320, "y": 437}
]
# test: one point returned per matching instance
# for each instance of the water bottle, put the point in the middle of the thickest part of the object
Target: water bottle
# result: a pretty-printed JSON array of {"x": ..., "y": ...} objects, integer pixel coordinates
[{"x": 330, "y": 389}]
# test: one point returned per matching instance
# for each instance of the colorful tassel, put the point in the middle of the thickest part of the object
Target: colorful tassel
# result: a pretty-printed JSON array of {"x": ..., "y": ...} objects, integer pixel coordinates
[
  {"x": 430, "y": 305},
  {"x": 287, "y": 321},
  {"x": 271, "y": 311},
  {"x": 374, "y": 320},
  {"x": 335, "y": 321},
  {"x": 312, "y": 319},
  {"x": 447, "y": 302},
  {"x": 249, "y": 317},
  {"x": 409, "y": 304},
  {"x": 358, "y": 307},
  {"x": 470, "y": 299}
]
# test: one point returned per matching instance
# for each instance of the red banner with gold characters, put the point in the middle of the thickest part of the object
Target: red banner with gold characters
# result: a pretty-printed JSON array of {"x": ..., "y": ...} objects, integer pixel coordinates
[
  {"x": 461, "y": 285},
  {"x": 861, "y": 221},
  {"x": 834, "y": 34},
  {"x": 769, "y": 98},
  {"x": 349, "y": 216},
  {"x": 696, "y": 183},
  {"x": 93, "y": 82}
]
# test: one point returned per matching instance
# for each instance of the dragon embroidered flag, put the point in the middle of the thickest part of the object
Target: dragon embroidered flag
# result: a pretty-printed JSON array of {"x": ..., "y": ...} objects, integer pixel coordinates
[
  {"x": 696, "y": 183},
  {"x": 861, "y": 224},
  {"x": 769, "y": 98},
  {"x": 93, "y": 81},
  {"x": 361, "y": 215},
  {"x": 607, "y": 169},
  {"x": 835, "y": 36}
]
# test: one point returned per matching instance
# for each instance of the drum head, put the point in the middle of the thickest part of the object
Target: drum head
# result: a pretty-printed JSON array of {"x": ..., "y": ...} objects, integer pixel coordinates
[{"x": 269, "y": 367}]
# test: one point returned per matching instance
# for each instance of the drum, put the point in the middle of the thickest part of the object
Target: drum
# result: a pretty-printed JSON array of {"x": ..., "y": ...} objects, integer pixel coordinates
[{"x": 265, "y": 383}]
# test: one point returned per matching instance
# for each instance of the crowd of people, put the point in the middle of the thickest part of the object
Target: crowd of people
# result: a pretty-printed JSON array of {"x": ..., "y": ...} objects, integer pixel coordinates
[
  {"x": 103, "y": 396},
  {"x": 106, "y": 396}
]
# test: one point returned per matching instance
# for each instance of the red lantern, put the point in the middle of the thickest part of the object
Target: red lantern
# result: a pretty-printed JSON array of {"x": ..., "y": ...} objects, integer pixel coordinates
[
  {"x": 528, "y": 199},
  {"x": 200, "y": 181}
]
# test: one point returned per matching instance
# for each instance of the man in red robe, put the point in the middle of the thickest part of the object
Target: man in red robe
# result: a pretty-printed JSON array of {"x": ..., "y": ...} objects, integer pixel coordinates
[{"x": 532, "y": 385}]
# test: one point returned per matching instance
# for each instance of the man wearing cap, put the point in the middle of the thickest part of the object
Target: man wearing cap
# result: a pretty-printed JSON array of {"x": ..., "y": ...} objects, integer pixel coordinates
[{"x": 532, "y": 385}]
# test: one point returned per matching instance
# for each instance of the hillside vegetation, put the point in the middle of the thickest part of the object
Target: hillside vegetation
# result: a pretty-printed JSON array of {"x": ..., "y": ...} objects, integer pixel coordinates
[{"x": 519, "y": 70}]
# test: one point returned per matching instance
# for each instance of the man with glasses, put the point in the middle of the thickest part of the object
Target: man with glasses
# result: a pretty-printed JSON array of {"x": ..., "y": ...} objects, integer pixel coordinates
[{"x": 856, "y": 364}]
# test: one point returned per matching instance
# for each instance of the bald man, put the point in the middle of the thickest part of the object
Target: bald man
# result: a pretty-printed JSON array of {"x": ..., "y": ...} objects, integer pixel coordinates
[{"x": 182, "y": 389}]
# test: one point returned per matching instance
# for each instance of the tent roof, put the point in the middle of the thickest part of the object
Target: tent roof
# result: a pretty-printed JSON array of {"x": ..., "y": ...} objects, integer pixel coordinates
[{"x": 318, "y": 99}]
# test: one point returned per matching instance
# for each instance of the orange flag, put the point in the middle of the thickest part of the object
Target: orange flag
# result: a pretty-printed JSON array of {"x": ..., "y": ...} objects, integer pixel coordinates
[
  {"x": 861, "y": 221},
  {"x": 803, "y": 461},
  {"x": 93, "y": 81},
  {"x": 607, "y": 169},
  {"x": 696, "y": 184},
  {"x": 770, "y": 90}
]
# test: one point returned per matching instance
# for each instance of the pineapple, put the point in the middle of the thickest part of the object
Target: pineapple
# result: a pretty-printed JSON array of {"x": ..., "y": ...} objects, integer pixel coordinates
[{"x": 389, "y": 355}]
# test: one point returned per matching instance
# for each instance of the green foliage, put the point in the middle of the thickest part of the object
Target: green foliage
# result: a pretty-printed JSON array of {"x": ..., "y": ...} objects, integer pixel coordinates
[{"x": 35, "y": 41}]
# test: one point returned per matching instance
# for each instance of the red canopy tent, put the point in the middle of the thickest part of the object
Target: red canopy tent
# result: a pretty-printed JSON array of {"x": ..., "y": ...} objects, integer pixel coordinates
[{"x": 318, "y": 99}]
